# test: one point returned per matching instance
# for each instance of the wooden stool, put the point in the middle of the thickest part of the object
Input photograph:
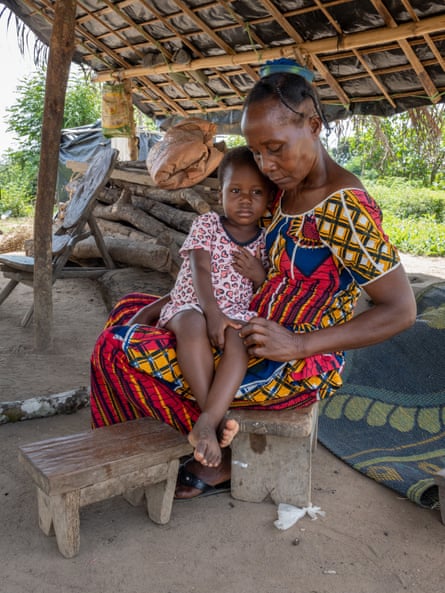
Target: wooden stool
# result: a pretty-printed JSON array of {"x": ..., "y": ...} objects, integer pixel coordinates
[
  {"x": 439, "y": 479},
  {"x": 79, "y": 469},
  {"x": 272, "y": 455}
]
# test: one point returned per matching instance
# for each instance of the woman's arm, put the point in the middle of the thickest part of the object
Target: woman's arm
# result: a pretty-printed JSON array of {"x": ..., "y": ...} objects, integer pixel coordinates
[
  {"x": 149, "y": 314},
  {"x": 394, "y": 309}
]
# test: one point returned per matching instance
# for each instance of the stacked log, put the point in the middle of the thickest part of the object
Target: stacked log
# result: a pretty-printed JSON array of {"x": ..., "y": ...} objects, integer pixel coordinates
[{"x": 143, "y": 225}]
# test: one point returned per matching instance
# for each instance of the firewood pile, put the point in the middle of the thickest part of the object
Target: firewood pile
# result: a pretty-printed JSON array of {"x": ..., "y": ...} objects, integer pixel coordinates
[{"x": 143, "y": 225}]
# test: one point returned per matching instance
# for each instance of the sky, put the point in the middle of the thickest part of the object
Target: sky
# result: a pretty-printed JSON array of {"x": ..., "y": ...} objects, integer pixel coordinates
[{"x": 14, "y": 68}]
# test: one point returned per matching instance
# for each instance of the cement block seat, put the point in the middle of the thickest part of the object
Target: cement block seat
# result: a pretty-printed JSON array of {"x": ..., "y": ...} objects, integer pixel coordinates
[{"x": 272, "y": 455}]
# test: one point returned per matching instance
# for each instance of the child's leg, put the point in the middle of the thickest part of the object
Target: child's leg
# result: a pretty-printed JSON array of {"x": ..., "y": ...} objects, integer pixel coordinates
[
  {"x": 194, "y": 352},
  {"x": 209, "y": 426}
]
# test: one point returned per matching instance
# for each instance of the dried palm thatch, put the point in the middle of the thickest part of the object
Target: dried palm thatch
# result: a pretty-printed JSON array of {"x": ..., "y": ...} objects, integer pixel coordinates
[{"x": 200, "y": 57}]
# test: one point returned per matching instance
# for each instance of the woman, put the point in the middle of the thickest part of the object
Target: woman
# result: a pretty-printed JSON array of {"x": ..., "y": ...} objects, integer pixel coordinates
[{"x": 325, "y": 243}]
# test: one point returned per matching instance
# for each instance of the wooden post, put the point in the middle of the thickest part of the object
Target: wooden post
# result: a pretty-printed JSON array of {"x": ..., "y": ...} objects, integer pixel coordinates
[
  {"x": 59, "y": 61},
  {"x": 132, "y": 140}
]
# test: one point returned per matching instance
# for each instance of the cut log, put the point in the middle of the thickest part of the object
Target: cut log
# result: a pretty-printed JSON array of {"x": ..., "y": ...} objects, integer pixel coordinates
[
  {"x": 117, "y": 230},
  {"x": 114, "y": 284},
  {"x": 133, "y": 253},
  {"x": 42, "y": 406},
  {"x": 195, "y": 200},
  {"x": 198, "y": 201},
  {"x": 172, "y": 217},
  {"x": 127, "y": 212}
]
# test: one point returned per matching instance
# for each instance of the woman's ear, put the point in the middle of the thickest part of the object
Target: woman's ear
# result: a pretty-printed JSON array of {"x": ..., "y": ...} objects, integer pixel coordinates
[{"x": 315, "y": 123}]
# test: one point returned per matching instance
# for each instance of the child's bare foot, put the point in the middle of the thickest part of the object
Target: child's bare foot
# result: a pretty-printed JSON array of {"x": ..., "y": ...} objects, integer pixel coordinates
[
  {"x": 205, "y": 442},
  {"x": 228, "y": 429}
]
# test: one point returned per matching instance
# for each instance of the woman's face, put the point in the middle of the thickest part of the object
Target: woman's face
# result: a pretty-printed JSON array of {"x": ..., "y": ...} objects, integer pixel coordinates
[{"x": 284, "y": 148}]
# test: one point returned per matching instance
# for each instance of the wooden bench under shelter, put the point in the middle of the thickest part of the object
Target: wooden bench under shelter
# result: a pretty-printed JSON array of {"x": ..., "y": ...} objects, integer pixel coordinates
[
  {"x": 77, "y": 216},
  {"x": 272, "y": 455},
  {"x": 135, "y": 459}
]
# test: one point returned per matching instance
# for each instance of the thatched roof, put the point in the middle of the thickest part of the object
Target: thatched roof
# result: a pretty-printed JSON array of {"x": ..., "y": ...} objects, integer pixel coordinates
[{"x": 199, "y": 57}]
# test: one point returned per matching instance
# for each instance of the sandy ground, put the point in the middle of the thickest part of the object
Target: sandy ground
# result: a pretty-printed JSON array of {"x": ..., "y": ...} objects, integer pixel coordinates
[{"x": 370, "y": 540}]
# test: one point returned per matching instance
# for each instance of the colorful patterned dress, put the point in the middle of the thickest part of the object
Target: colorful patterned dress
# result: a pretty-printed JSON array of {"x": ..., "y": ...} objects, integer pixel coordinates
[{"x": 319, "y": 261}]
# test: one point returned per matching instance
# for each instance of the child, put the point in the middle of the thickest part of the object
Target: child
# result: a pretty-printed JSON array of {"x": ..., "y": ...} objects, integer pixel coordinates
[{"x": 223, "y": 263}]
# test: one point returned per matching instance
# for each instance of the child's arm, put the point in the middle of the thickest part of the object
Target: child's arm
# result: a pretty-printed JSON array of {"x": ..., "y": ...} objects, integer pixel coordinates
[
  {"x": 202, "y": 282},
  {"x": 249, "y": 265}
]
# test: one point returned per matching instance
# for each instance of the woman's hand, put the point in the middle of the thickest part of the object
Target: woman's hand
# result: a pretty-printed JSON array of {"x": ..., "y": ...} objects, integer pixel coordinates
[
  {"x": 249, "y": 266},
  {"x": 267, "y": 339}
]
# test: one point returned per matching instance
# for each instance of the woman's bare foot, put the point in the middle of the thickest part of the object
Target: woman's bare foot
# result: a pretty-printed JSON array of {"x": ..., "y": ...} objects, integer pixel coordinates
[
  {"x": 205, "y": 442},
  {"x": 206, "y": 478},
  {"x": 228, "y": 430}
]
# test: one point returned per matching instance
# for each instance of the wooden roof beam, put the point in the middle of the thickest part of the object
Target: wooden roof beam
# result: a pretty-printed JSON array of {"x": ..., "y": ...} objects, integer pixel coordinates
[
  {"x": 210, "y": 32},
  {"x": 167, "y": 55},
  {"x": 117, "y": 33},
  {"x": 293, "y": 33},
  {"x": 324, "y": 72},
  {"x": 191, "y": 46},
  {"x": 329, "y": 45},
  {"x": 428, "y": 39},
  {"x": 418, "y": 68}
]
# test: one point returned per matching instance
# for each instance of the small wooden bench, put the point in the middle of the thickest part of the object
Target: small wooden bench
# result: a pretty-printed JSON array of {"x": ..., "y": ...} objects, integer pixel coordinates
[
  {"x": 439, "y": 479},
  {"x": 272, "y": 455},
  {"x": 79, "y": 469}
]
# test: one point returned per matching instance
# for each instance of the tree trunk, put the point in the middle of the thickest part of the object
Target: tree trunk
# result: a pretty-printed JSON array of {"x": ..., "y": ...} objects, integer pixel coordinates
[{"x": 60, "y": 56}]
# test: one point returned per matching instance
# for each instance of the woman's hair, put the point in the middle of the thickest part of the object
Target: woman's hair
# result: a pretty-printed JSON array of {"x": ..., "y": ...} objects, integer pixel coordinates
[
  {"x": 241, "y": 156},
  {"x": 288, "y": 88}
]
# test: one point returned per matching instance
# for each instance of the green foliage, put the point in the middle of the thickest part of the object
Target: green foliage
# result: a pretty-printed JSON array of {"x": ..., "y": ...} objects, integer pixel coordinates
[
  {"x": 24, "y": 118},
  {"x": 18, "y": 182},
  {"x": 82, "y": 102},
  {"x": 416, "y": 236},
  {"x": 414, "y": 217},
  {"x": 19, "y": 167},
  {"x": 410, "y": 145},
  {"x": 234, "y": 140}
]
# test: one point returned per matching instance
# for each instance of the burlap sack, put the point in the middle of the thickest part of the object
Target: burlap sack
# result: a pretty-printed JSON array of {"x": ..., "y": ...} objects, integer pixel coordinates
[{"x": 185, "y": 156}]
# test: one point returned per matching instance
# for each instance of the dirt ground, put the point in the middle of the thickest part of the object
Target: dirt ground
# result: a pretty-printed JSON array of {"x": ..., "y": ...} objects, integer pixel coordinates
[{"x": 369, "y": 541}]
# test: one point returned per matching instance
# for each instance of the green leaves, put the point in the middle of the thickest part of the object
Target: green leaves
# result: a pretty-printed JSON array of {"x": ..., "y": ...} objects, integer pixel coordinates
[{"x": 19, "y": 167}]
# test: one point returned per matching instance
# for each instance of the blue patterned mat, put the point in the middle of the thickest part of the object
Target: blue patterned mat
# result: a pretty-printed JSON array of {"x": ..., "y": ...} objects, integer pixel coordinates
[{"x": 388, "y": 419}]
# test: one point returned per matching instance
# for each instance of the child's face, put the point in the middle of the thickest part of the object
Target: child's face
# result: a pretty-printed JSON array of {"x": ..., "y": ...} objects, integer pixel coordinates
[{"x": 245, "y": 194}]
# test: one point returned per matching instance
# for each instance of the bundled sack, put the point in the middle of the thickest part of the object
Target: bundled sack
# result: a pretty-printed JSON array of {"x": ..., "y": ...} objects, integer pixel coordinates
[
  {"x": 116, "y": 110},
  {"x": 185, "y": 156}
]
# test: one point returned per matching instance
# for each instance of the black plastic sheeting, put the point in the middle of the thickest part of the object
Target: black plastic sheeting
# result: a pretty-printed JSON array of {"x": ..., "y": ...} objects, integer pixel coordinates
[{"x": 82, "y": 143}]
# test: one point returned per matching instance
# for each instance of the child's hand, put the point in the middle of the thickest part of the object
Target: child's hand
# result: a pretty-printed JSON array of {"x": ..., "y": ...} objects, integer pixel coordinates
[
  {"x": 216, "y": 327},
  {"x": 249, "y": 265}
]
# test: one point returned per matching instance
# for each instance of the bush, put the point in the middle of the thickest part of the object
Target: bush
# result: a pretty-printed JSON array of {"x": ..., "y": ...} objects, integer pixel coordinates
[
  {"x": 17, "y": 184},
  {"x": 414, "y": 217}
]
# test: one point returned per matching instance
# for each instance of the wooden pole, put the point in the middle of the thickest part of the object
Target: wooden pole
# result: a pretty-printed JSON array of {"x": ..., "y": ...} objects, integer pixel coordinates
[{"x": 59, "y": 61}]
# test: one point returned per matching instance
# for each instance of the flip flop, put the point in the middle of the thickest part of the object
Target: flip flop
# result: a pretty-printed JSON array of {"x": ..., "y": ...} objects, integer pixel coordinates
[{"x": 187, "y": 478}]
